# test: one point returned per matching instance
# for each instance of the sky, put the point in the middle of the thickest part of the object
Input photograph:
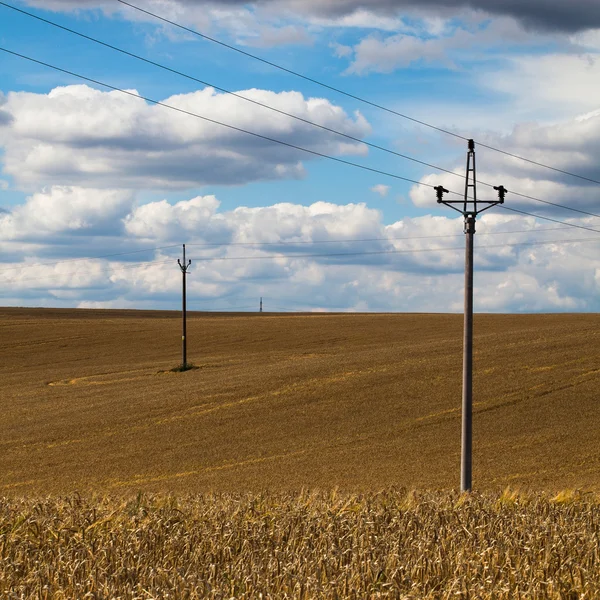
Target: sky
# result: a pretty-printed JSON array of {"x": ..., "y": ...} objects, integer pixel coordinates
[{"x": 287, "y": 189}]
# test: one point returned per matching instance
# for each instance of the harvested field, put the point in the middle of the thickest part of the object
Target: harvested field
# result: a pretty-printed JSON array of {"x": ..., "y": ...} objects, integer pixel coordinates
[
  {"x": 284, "y": 402},
  {"x": 306, "y": 546}
]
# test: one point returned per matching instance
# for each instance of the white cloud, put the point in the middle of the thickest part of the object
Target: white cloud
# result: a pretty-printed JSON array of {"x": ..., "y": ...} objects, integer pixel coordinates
[
  {"x": 389, "y": 54},
  {"x": 382, "y": 190},
  {"x": 4, "y": 185},
  {"x": 76, "y": 135},
  {"x": 569, "y": 147},
  {"x": 360, "y": 18},
  {"x": 550, "y": 86},
  {"x": 66, "y": 210},
  {"x": 406, "y": 270},
  {"x": 444, "y": 44}
]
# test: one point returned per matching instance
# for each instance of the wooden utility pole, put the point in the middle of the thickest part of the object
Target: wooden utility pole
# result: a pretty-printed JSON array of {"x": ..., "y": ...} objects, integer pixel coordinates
[
  {"x": 471, "y": 207},
  {"x": 184, "y": 271}
]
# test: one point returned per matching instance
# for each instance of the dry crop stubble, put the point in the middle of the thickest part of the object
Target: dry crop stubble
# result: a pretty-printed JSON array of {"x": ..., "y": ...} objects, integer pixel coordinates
[
  {"x": 303, "y": 545},
  {"x": 282, "y": 402}
]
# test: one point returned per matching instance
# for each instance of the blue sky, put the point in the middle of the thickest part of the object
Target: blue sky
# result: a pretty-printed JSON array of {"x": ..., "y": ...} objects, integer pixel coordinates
[
  {"x": 522, "y": 82},
  {"x": 224, "y": 68}
]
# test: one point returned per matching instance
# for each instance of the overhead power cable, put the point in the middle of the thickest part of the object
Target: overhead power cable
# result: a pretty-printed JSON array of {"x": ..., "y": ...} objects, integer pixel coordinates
[
  {"x": 383, "y": 252},
  {"x": 290, "y": 71},
  {"x": 107, "y": 269},
  {"x": 538, "y": 164},
  {"x": 215, "y": 122},
  {"x": 379, "y": 239},
  {"x": 226, "y": 91},
  {"x": 279, "y": 111},
  {"x": 321, "y": 255},
  {"x": 301, "y": 119},
  {"x": 282, "y": 243},
  {"x": 577, "y": 210},
  {"x": 65, "y": 260},
  {"x": 528, "y": 214},
  {"x": 348, "y": 94}
]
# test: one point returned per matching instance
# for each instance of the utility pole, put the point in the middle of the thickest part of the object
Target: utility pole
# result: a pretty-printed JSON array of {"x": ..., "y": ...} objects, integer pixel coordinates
[
  {"x": 260, "y": 304},
  {"x": 470, "y": 208},
  {"x": 184, "y": 271}
]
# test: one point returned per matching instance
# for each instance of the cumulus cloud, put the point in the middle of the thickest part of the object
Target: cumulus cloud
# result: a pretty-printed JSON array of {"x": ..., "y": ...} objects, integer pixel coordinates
[
  {"x": 77, "y": 135},
  {"x": 569, "y": 146},
  {"x": 298, "y": 257},
  {"x": 63, "y": 209},
  {"x": 555, "y": 15},
  {"x": 284, "y": 223}
]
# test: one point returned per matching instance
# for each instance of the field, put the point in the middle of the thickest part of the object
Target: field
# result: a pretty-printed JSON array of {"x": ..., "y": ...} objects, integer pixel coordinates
[
  {"x": 308, "y": 545},
  {"x": 282, "y": 466},
  {"x": 284, "y": 402}
]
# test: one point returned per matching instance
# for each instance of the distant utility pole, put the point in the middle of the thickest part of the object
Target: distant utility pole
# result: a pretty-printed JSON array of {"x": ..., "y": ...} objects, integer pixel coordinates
[
  {"x": 260, "y": 304},
  {"x": 184, "y": 271},
  {"x": 470, "y": 208}
]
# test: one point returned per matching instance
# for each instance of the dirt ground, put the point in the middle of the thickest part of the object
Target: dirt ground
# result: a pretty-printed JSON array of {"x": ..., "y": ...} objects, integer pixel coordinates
[{"x": 284, "y": 402}]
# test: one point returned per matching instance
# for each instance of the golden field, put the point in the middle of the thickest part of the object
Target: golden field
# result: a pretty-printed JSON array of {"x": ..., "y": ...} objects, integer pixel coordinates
[
  {"x": 332, "y": 545},
  {"x": 281, "y": 466},
  {"x": 284, "y": 402}
]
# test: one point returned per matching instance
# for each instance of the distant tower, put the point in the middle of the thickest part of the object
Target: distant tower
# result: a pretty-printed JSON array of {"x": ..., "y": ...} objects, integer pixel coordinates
[{"x": 261, "y": 304}]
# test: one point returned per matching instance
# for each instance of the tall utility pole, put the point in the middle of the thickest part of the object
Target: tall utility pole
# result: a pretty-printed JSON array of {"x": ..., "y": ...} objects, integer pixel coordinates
[
  {"x": 470, "y": 208},
  {"x": 260, "y": 304},
  {"x": 184, "y": 271}
]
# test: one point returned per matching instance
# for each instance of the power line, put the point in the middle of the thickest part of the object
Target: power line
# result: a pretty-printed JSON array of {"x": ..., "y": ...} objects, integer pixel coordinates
[
  {"x": 284, "y": 243},
  {"x": 319, "y": 255},
  {"x": 233, "y": 127},
  {"x": 271, "y": 139},
  {"x": 347, "y": 94},
  {"x": 58, "y": 262},
  {"x": 533, "y": 162},
  {"x": 279, "y": 111},
  {"x": 226, "y": 91},
  {"x": 307, "y": 121},
  {"x": 384, "y": 252},
  {"x": 380, "y": 239},
  {"x": 102, "y": 270},
  {"x": 523, "y": 212},
  {"x": 577, "y": 210},
  {"x": 290, "y": 71}
]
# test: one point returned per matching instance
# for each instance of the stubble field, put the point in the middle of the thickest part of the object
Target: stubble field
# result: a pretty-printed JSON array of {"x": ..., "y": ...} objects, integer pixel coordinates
[
  {"x": 282, "y": 402},
  {"x": 282, "y": 466}
]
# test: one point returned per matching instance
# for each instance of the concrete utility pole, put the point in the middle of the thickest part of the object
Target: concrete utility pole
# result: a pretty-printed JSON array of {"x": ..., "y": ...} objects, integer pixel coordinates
[
  {"x": 184, "y": 271},
  {"x": 471, "y": 207}
]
